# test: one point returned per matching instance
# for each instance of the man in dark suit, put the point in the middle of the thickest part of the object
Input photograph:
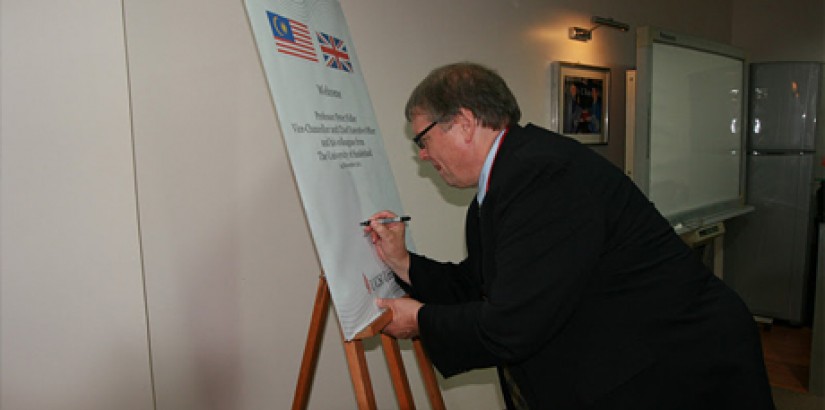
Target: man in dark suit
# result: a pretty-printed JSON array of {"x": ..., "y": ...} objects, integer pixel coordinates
[{"x": 574, "y": 286}]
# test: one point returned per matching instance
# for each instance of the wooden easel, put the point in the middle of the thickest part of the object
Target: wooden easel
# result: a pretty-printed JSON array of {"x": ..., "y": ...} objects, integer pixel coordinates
[{"x": 357, "y": 362}]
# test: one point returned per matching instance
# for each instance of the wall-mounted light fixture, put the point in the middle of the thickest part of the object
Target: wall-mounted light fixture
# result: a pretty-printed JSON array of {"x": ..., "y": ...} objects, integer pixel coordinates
[{"x": 583, "y": 34}]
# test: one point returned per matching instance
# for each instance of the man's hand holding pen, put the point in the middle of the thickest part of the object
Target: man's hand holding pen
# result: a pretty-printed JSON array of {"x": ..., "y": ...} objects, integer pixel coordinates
[
  {"x": 389, "y": 242},
  {"x": 387, "y": 232}
]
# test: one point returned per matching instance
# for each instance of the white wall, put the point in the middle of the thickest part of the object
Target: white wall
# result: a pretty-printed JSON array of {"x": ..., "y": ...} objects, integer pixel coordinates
[
  {"x": 73, "y": 323},
  {"x": 230, "y": 269}
]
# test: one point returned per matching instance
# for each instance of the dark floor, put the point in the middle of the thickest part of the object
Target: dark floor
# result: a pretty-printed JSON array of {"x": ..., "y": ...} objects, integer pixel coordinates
[{"x": 787, "y": 357}]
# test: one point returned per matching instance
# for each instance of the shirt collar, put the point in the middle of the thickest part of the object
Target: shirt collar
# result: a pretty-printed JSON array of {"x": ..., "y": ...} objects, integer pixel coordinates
[{"x": 488, "y": 165}]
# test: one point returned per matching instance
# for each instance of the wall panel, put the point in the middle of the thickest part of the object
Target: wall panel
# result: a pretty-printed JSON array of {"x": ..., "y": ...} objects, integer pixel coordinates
[{"x": 72, "y": 312}]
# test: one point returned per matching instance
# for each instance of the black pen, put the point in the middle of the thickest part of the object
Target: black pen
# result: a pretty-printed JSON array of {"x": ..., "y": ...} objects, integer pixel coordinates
[{"x": 387, "y": 220}]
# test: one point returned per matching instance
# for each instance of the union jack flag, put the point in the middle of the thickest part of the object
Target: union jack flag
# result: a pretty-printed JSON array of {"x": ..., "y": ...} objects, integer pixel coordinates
[
  {"x": 291, "y": 37},
  {"x": 335, "y": 52}
]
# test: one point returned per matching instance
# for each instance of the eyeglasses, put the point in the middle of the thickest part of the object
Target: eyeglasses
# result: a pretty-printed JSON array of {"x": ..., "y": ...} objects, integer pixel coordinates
[{"x": 420, "y": 135}]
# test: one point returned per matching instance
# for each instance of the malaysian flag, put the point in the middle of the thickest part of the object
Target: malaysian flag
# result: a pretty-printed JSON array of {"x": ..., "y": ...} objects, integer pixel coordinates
[
  {"x": 291, "y": 37},
  {"x": 335, "y": 52}
]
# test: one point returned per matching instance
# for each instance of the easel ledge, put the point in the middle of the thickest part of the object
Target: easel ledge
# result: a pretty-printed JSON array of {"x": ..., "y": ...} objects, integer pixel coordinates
[
  {"x": 375, "y": 327},
  {"x": 357, "y": 362}
]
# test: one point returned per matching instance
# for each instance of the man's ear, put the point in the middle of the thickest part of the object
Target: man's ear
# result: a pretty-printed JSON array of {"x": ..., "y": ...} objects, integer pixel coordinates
[{"x": 468, "y": 123}]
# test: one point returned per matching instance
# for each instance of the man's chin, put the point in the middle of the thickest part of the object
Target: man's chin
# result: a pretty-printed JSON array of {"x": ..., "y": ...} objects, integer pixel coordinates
[{"x": 456, "y": 184}]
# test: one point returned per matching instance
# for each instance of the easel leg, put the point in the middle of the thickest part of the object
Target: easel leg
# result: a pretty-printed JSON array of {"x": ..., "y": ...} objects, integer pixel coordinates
[
  {"x": 399, "y": 376},
  {"x": 357, "y": 362},
  {"x": 428, "y": 374},
  {"x": 312, "y": 347},
  {"x": 359, "y": 374}
]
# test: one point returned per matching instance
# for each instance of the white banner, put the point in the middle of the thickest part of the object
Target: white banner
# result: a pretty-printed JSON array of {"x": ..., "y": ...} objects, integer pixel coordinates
[{"x": 334, "y": 145}]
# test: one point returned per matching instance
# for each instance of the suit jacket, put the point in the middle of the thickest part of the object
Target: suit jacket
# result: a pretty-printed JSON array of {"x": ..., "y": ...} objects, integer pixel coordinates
[{"x": 582, "y": 291}]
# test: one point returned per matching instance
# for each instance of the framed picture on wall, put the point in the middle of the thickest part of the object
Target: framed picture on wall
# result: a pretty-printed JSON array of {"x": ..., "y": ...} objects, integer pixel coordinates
[{"x": 578, "y": 101}]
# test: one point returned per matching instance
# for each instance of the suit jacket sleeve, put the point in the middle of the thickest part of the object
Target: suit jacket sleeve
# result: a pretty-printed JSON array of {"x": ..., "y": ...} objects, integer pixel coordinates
[{"x": 440, "y": 282}]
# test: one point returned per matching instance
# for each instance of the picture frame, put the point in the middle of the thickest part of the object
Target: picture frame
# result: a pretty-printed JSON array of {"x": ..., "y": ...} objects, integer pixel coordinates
[{"x": 579, "y": 96}]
